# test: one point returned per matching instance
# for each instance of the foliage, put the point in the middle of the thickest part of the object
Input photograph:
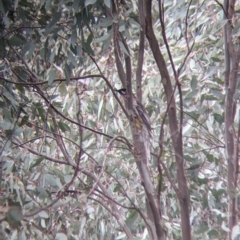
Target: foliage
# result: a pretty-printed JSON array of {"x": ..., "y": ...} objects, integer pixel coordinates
[{"x": 68, "y": 170}]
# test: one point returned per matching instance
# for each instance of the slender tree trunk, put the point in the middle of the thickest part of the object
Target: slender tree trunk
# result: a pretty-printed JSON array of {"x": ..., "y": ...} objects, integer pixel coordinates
[
  {"x": 173, "y": 123},
  {"x": 231, "y": 138}
]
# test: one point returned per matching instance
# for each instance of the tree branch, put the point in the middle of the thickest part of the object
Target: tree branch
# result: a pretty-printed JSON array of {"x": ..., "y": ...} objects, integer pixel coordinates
[{"x": 140, "y": 51}]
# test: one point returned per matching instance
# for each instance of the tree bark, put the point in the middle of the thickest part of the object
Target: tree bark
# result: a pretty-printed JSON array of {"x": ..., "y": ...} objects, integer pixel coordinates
[
  {"x": 173, "y": 123},
  {"x": 231, "y": 138}
]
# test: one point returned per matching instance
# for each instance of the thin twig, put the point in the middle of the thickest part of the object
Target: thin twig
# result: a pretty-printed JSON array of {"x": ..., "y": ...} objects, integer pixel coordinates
[
  {"x": 140, "y": 50},
  {"x": 104, "y": 162},
  {"x": 225, "y": 13},
  {"x": 186, "y": 24}
]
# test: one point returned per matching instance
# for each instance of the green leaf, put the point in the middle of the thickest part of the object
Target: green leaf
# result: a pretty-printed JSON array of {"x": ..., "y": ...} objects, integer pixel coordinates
[
  {"x": 215, "y": 59},
  {"x": 213, "y": 234},
  {"x": 28, "y": 48},
  {"x": 218, "y": 93},
  {"x": 53, "y": 181},
  {"x": 86, "y": 136},
  {"x": 67, "y": 72},
  {"x": 36, "y": 163},
  {"x": 87, "y": 48},
  {"x": 75, "y": 5},
  {"x": 134, "y": 215},
  {"x": 89, "y": 143},
  {"x": 189, "y": 158},
  {"x": 72, "y": 59},
  {"x": 88, "y": 2},
  {"x": 134, "y": 23},
  {"x": 100, "y": 108},
  {"x": 208, "y": 97},
  {"x": 90, "y": 38},
  {"x": 22, "y": 15},
  {"x": 117, "y": 188},
  {"x": 17, "y": 41},
  {"x": 24, "y": 121},
  {"x": 41, "y": 113},
  {"x": 43, "y": 214},
  {"x": 194, "y": 83},
  {"x": 194, "y": 166},
  {"x": 42, "y": 193},
  {"x": 107, "y": 3},
  {"x": 219, "y": 117},
  {"x": 2, "y": 8},
  {"x": 102, "y": 38},
  {"x": 62, "y": 88},
  {"x": 73, "y": 37},
  {"x": 7, "y": 114},
  {"x": 14, "y": 216},
  {"x": 21, "y": 89},
  {"x": 202, "y": 228},
  {"x": 51, "y": 73},
  {"x": 218, "y": 80},
  {"x": 123, "y": 48},
  {"x": 22, "y": 235},
  {"x": 2, "y": 48},
  {"x": 235, "y": 232},
  {"x": 201, "y": 181},
  {"x": 21, "y": 73},
  {"x": 52, "y": 24},
  {"x": 64, "y": 127},
  {"x": 6, "y": 125},
  {"x": 61, "y": 236}
]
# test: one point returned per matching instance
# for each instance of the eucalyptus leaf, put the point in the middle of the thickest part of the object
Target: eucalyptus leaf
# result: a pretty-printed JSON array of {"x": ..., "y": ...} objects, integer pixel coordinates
[
  {"x": 60, "y": 60},
  {"x": 51, "y": 76},
  {"x": 14, "y": 216},
  {"x": 61, "y": 236},
  {"x": 107, "y": 3},
  {"x": 17, "y": 41},
  {"x": 56, "y": 17},
  {"x": 37, "y": 162},
  {"x": 123, "y": 48},
  {"x": 88, "y": 2},
  {"x": 100, "y": 107}
]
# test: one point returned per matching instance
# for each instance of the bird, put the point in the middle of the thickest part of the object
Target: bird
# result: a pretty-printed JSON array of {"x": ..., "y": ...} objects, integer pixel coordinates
[
  {"x": 141, "y": 121},
  {"x": 139, "y": 110}
]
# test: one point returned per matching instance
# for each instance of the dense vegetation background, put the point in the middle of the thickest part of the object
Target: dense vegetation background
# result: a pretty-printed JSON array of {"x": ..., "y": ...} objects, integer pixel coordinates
[{"x": 73, "y": 165}]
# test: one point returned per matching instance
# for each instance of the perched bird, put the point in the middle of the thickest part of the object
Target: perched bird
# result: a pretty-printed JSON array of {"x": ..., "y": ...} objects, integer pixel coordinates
[
  {"x": 139, "y": 110},
  {"x": 141, "y": 123}
]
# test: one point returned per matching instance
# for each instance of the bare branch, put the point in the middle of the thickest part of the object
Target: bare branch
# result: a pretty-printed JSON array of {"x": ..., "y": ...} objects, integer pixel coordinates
[
  {"x": 140, "y": 51},
  {"x": 224, "y": 9},
  {"x": 184, "y": 60},
  {"x": 29, "y": 215},
  {"x": 80, "y": 130},
  {"x": 116, "y": 213},
  {"x": 40, "y": 154},
  {"x": 176, "y": 130},
  {"x": 121, "y": 72},
  {"x": 186, "y": 25}
]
